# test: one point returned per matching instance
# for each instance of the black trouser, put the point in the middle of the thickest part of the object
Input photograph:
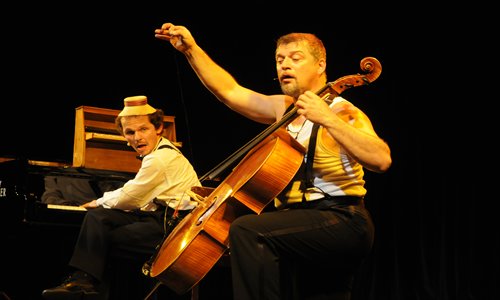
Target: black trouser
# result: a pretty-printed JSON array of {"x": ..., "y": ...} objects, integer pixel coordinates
[
  {"x": 103, "y": 229},
  {"x": 269, "y": 251}
]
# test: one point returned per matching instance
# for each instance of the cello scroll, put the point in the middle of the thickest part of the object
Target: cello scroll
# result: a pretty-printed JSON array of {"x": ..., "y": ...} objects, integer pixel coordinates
[{"x": 371, "y": 70}]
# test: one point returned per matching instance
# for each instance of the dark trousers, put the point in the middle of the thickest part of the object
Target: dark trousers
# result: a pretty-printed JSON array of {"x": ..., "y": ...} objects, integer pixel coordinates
[
  {"x": 103, "y": 230},
  {"x": 299, "y": 253}
]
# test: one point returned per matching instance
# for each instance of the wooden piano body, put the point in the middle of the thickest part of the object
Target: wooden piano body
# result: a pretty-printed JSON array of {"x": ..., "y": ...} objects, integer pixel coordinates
[{"x": 98, "y": 145}]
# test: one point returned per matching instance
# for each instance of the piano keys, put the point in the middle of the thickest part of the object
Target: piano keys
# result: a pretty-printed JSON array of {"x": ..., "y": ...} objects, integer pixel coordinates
[{"x": 66, "y": 207}]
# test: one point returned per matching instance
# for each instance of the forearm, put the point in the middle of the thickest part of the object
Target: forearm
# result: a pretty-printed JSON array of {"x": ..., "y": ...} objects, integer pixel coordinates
[
  {"x": 367, "y": 149},
  {"x": 218, "y": 81}
]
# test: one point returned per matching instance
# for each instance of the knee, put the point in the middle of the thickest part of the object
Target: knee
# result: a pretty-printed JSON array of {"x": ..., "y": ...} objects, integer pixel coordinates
[
  {"x": 234, "y": 229},
  {"x": 242, "y": 228},
  {"x": 240, "y": 224}
]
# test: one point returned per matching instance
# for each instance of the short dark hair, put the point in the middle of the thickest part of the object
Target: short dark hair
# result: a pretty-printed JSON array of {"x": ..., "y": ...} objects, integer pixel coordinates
[{"x": 315, "y": 44}]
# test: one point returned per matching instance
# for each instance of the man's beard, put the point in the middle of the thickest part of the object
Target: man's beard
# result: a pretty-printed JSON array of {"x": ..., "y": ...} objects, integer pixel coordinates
[{"x": 291, "y": 90}]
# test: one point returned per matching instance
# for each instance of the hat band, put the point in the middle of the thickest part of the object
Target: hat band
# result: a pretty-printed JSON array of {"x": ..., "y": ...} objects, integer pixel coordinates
[{"x": 136, "y": 102}]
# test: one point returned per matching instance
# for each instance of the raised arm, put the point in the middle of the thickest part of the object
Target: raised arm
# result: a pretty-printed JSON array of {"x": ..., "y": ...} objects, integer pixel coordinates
[{"x": 253, "y": 105}]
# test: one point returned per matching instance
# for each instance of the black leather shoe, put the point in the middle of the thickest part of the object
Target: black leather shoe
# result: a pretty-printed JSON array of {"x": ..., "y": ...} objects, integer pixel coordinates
[{"x": 78, "y": 285}]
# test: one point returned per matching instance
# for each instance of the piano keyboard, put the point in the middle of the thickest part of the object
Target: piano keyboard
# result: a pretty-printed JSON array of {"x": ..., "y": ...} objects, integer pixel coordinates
[{"x": 65, "y": 207}]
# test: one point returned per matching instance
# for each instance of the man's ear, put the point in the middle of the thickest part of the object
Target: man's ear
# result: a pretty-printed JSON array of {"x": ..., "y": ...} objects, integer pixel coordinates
[
  {"x": 321, "y": 66},
  {"x": 159, "y": 130}
]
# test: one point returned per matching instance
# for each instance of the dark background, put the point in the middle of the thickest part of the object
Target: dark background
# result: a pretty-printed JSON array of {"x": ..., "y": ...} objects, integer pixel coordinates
[{"x": 435, "y": 230}]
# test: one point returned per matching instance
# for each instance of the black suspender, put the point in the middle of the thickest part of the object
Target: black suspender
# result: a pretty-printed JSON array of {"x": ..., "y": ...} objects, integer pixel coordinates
[{"x": 309, "y": 180}]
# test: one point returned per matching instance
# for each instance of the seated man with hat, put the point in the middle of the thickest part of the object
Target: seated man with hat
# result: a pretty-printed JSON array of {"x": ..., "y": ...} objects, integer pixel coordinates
[{"x": 138, "y": 212}]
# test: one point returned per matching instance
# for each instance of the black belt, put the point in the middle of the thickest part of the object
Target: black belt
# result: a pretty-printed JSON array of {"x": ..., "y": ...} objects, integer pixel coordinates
[
  {"x": 327, "y": 202},
  {"x": 169, "y": 210}
]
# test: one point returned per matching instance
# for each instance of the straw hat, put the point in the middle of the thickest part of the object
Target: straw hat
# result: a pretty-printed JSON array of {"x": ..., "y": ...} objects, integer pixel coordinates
[{"x": 136, "y": 106}]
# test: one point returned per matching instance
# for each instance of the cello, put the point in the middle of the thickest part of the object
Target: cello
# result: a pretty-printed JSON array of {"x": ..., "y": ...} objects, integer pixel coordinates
[{"x": 266, "y": 166}]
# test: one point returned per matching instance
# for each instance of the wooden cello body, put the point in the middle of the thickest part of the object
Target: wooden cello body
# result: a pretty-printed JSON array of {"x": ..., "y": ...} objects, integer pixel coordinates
[
  {"x": 268, "y": 165},
  {"x": 201, "y": 238}
]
